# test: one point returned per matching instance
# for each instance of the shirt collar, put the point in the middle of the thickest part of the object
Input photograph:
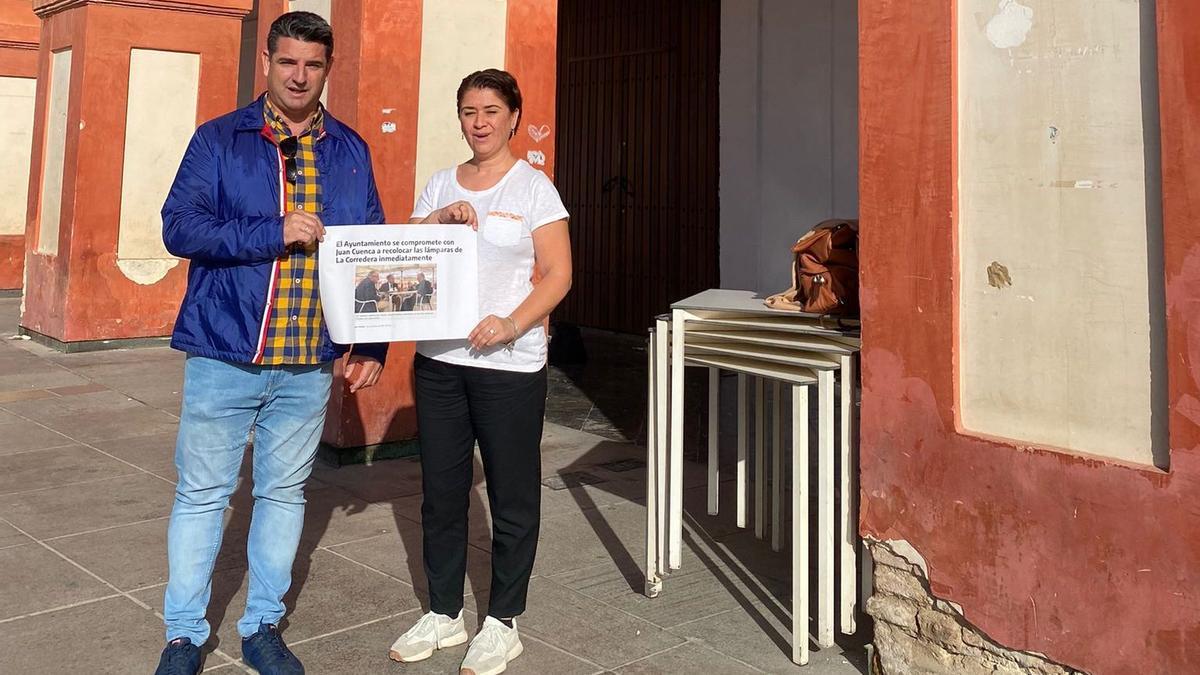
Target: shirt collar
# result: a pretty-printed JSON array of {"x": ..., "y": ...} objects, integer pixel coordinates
[{"x": 279, "y": 125}]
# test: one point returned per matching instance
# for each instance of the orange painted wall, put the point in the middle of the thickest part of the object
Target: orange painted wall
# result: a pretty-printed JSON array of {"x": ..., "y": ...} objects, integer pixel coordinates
[
  {"x": 531, "y": 56},
  {"x": 266, "y": 11},
  {"x": 1093, "y": 564},
  {"x": 377, "y": 78},
  {"x": 20, "y": 31},
  {"x": 80, "y": 294}
]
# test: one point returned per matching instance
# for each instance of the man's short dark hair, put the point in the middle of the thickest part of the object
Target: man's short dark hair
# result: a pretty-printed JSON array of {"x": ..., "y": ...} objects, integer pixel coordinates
[{"x": 303, "y": 26}]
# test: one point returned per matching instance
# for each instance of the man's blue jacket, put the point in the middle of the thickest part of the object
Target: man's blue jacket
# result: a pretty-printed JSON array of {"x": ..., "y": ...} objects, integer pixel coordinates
[{"x": 224, "y": 215}]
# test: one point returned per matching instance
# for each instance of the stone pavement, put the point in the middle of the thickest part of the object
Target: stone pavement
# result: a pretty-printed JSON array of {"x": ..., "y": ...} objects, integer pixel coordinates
[{"x": 86, "y": 480}]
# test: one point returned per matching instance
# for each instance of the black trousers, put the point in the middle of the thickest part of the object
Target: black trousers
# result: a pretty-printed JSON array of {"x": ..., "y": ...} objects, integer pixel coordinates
[{"x": 503, "y": 411}]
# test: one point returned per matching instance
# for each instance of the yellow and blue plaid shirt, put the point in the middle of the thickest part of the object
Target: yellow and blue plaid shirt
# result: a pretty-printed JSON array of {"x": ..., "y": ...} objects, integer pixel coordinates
[{"x": 293, "y": 330}]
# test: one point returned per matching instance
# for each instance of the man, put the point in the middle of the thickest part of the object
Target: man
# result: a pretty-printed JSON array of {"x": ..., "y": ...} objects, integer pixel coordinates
[
  {"x": 248, "y": 206},
  {"x": 395, "y": 292},
  {"x": 424, "y": 291},
  {"x": 366, "y": 294}
]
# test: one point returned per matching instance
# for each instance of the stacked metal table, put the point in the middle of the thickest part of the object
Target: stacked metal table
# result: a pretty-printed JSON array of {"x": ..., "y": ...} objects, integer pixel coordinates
[{"x": 731, "y": 330}]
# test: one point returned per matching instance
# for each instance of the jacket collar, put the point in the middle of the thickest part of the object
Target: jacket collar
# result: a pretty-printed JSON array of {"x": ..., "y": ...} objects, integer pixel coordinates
[{"x": 251, "y": 118}]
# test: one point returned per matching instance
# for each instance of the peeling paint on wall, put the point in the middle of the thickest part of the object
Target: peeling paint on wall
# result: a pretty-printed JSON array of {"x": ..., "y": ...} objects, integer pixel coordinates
[
  {"x": 918, "y": 632},
  {"x": 1011, "y": 25},
  {"x": 146, "y": 272},
  {"x": 997, "y": 275}
]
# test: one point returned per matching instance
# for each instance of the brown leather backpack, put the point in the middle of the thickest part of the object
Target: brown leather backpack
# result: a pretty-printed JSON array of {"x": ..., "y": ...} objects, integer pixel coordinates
[{"x": 824, "y": 271}]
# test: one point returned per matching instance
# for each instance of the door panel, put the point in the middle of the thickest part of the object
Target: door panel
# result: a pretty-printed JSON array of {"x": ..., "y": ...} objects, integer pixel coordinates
[{"x": 637, "y": 119}]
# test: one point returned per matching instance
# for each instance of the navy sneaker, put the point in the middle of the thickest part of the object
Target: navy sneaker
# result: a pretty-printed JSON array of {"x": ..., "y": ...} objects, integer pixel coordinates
[
  {"x": 265, "y": 652},
  {"x": 181, "y": 657}
]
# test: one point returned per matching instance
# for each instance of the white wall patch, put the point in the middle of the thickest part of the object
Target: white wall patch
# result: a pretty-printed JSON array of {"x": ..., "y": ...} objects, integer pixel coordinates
[
  {"x": 536, "y": 158},
  {"x": 1011, "y": 25},
  {"x": 146, "y": 271}
]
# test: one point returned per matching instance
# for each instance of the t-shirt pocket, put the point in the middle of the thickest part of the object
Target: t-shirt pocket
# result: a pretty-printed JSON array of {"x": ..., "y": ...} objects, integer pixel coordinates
[{"x": 502, "y": 229}]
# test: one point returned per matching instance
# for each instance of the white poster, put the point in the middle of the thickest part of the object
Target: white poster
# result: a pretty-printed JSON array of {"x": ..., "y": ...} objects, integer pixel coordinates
[{"x": 388, "y": 283}]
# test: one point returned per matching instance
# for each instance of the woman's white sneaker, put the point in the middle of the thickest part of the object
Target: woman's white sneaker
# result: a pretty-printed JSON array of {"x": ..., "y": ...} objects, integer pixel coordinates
[
  {"x": 430, "y": 633},
  {"x": 491, "y": 650}
]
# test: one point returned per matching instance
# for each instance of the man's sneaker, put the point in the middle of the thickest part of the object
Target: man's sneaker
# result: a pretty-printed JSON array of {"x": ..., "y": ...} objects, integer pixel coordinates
[
  {"x": 430, "y": 633},
  {"x": 492, "y": 649},
  {"x": 265, "y": 652},
  {"x": 181, "y": 657}
]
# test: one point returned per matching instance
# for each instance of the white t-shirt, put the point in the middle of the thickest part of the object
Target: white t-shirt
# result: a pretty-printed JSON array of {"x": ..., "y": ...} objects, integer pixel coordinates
[{"x": 508, "y": 213}]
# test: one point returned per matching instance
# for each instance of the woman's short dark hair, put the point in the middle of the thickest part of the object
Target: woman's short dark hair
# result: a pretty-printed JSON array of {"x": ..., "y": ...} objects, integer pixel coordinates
[
  {"x": 500, "y": 81},
  {"x": 302, "y": 26}
]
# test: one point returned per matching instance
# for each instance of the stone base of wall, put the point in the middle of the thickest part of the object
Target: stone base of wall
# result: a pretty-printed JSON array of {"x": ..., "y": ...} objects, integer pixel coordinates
[{"x": 918, "y": 633}]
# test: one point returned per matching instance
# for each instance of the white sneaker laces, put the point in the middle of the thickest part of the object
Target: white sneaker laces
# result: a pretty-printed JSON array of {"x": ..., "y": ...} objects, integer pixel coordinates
[
  {"x": 426, "y": 624},
  {"x": 491, "y": 640}
]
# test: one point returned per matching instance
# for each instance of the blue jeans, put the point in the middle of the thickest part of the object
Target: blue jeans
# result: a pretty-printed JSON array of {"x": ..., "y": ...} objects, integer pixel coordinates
[{"x": 222, "y": 403}]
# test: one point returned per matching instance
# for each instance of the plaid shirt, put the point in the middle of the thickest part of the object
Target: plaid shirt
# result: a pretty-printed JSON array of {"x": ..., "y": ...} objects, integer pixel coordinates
[{"x": 293, "y": 330}]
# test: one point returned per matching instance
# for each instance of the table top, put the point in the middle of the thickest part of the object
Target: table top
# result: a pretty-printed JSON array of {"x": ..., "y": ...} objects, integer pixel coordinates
[
  {"x": 748, "y": 303},
  {"x": 743, "y": 302}
]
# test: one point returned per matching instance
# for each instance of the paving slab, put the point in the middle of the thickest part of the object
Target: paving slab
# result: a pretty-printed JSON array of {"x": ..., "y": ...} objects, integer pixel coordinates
[
  {"x": 11, "y": 536},
  {"x": 135, "y": 556},
  {"x": 377, "y": 482},
  {"x": 38, "y": 469},
  {"x": 758, "y": 637},
  {"x": 105, "y": 425},
  {"x": 614, "y": 534},
  {"x": 335, "y": 516},
  {"x": 110, "y": 637},
  {"x": 588, "y": 628},
  {"x": 25, "y": 435},
  {"x": 88, "y": 506},
  {"x": 39, "y": 378},
  {"x": 690, "y": 594},
  {"x": 64, "y": 405},
  {"x": 399, "y": 555},
  {"x": 687, "y": 658},
  {"x": 153, "y": 452},
  {"x": 576, "y": 501},
  {"x": 36, "y": 579}
]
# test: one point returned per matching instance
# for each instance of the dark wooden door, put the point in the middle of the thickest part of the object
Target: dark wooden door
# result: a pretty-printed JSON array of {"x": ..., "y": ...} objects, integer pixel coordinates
[{"x": 637, "y": 156}]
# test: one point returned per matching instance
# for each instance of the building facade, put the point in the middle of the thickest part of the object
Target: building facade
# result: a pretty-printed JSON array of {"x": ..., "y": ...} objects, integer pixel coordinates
[{"x": 1024, "y": 172}]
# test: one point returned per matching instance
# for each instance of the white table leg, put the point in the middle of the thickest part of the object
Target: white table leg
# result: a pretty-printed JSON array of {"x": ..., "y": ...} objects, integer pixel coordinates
[
  {"x": 661, "y": 402},
  {"x": 760, "y": 459},
  {"x": 849, "y": 515},
  {"x": 653, "y": 580},
  {"x": 741, "y": 450},
  {"x": 800, "y": 524},
  {"x": 675, "y": 549},
  {"x": 776, "y": 468},
  {"x": 826, "y": 536},
  {"x": 714, "y": 414}
]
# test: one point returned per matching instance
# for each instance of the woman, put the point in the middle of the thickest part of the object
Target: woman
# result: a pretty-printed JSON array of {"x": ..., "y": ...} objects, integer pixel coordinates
[{"x": 490, "y": 387}]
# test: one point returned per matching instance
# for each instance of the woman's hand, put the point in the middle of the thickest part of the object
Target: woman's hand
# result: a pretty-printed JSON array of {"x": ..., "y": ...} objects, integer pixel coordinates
[
  {"x": 492, "y": 331},
  {"x": 458, "y": 213}
]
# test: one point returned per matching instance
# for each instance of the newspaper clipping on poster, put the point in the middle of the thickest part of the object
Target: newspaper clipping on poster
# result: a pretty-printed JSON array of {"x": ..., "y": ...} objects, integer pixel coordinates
[{"x": 388, "y": 283}]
